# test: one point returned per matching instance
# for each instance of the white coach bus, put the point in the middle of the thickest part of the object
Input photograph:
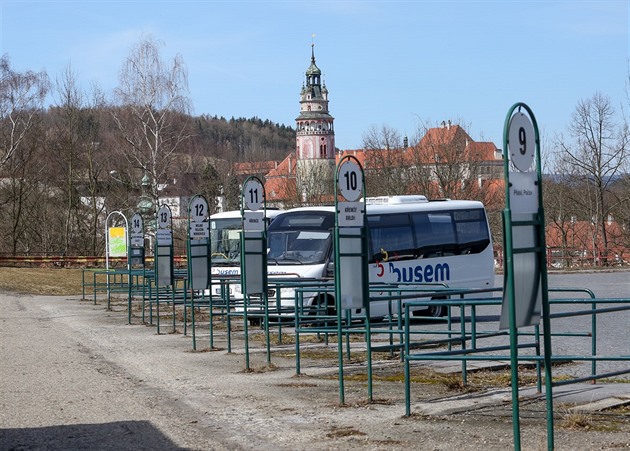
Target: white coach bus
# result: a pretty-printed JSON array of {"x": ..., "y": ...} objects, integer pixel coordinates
[
  {"x": 410, "y": 240},
  {"x": 225, "y": 247}
]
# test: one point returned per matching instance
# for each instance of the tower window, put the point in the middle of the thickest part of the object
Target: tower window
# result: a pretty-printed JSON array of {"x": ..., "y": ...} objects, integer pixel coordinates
[{"x": 322, "y": 151}]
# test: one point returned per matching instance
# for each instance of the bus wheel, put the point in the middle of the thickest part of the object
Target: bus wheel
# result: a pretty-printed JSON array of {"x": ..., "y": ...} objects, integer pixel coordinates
[
  {"x": 436, "y": 311},
  {"x": 433, "y": 311}
]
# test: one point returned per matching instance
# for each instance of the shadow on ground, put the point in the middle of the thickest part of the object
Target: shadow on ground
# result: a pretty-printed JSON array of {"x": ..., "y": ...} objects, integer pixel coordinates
[{"x": 136, "y": 435}]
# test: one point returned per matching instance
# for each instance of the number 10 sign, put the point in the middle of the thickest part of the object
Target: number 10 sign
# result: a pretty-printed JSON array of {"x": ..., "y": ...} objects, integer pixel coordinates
[{"x": 350, "y": 181}]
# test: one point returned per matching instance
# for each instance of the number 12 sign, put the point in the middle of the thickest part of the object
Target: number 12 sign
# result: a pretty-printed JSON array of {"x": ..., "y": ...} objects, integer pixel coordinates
[{"x": 350, "y": 181}]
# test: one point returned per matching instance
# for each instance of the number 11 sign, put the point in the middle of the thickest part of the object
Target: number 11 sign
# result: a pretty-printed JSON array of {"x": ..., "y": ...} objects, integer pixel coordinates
[{"x": 253, "y": 194}]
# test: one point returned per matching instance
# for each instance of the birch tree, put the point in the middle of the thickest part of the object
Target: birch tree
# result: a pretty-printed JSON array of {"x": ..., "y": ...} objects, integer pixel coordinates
[
  {"x": 22, "y": 96},
  {"x": 151, "y": 105}
]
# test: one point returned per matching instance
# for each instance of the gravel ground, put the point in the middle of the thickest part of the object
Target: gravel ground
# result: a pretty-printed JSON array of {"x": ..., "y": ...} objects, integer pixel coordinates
[{"x": 76, "y": 376}]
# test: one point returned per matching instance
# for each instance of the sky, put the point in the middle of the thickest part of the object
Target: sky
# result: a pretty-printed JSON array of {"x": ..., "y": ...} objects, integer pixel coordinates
[{"x": 399, "y": 64}]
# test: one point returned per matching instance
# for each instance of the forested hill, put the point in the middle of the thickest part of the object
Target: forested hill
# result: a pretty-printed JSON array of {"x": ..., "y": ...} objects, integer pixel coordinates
[{"x": 241, "y": 139}]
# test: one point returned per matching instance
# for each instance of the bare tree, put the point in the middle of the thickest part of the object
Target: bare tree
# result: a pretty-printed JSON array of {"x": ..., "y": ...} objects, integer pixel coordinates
[
  {"x": 315, "y": 181},
  {"x": 23, "y": 197},
  {"x": 21, "y": 98},
  {"x": 447, "y": 163},
  {"x": 152, "y": 102},
  {"x": 385, "y": 164},
  {"x": 66, "y": 157},
  {"x": 77, "y": 166},
  {"x": 596, "y": 153}
]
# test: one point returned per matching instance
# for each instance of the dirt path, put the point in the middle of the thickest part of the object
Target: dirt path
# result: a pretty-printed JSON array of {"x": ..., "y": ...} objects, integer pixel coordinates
[{"x": 75, "y": 376}]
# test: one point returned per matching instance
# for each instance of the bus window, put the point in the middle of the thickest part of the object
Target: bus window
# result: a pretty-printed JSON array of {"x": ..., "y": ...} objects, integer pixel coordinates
[
  {"x": 472, "y": 231},
  {"x": 435, "y": 234},
  {"x": 390, "y": 237},
  {"x": 225, "y": 239}
]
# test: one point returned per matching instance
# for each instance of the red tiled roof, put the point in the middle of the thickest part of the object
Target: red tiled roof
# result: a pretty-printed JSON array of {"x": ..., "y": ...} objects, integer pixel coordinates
[
  {"x": 254, "y": 167},
  {"x": 451, "y": 140},
  {"x": 284, "y": 168}
]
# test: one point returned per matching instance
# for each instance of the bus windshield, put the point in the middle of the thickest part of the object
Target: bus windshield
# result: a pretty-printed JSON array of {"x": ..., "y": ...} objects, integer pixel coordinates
[
  {"x": 225, "y": 241},
  {"x": 303, "y": 238}
]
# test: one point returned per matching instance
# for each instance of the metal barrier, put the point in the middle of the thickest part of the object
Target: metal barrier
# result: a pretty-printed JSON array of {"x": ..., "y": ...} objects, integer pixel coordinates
[{"x": 473, "y": 352}]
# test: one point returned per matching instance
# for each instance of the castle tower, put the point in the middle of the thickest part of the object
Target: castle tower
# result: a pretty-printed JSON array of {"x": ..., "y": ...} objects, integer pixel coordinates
[{"x": 315, "y": 139}]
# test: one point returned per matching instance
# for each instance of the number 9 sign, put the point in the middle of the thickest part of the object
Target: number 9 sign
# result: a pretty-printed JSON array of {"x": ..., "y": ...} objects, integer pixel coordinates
[
  {"x": 350, "y": 181},
  {"x": 253, "y": 194},
  {"x": 521, "y": 142}
]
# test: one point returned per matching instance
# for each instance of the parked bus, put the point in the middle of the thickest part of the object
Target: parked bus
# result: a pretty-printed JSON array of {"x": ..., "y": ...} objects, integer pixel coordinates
[
  {"x": 410, "y": 240},
  {"x": 225, "y": 246}
]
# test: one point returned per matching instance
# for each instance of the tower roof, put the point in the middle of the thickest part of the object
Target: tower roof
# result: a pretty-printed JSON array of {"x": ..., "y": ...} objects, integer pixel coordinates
[{"x": 313, "y": 69}]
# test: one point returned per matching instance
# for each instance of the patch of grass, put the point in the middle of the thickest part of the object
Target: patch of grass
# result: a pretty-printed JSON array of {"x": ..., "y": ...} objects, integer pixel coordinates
[
  {"x": 262, "y": 369},
  {"x": 576, "y": 420},
  {"x": 343, "y": 432},
  {"x": 42, "y": 281},
  {"x": 586, "y": 421}
]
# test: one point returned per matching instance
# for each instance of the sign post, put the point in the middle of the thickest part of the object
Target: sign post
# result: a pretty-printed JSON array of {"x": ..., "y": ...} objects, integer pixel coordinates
[
  {"x": 135, "y": 257},
  {"x": 351, "y": 269},
  {"x": 136, "y": 241},
  {"x": 525, "y": 293},
  {"x": 164, "y": 248},
  {"x": 254, "y": 254},
  {"x": 198, "y": 247}
]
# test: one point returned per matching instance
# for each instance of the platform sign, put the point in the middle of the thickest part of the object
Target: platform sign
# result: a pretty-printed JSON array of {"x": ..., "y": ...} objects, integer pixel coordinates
[
  {"x": 521, "y": 141},
  {"x": 351, "y": 276},
  {"x": 350, "y": 180},
  {"x": 253, "y": 194},
  {"x": 254, "y": 221},
  {"x": 524, "y": 248},
  {"x": 350, "y": 214},
  {"x": 198, "y": 211},
  {"x": 136, "y": 241},
  {"x": 350, "y": 183},
  {"x": 137, "y": 231},
  {"x": 253, "y": 238},
  {"x": 523, "y": 192},
  {"x": 164, "y": 270},
  {"x": 164, "y": 233},
  {"x": 198, "y": 244}
]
